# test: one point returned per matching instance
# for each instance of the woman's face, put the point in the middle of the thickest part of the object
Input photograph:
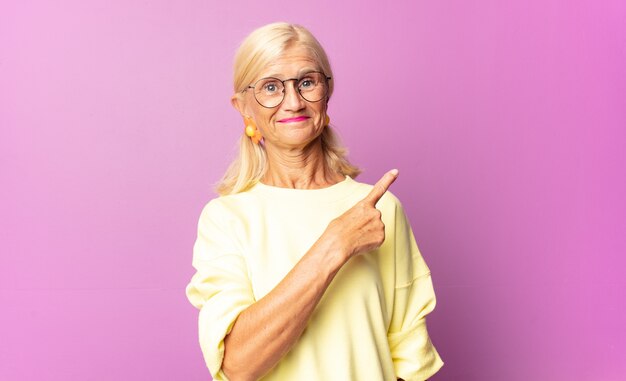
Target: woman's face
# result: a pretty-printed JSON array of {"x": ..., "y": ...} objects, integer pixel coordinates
[{"x": 295, "y": 122}]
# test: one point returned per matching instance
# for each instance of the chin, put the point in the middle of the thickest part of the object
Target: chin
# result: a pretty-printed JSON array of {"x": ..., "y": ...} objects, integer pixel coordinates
[{"x": 300, "y": 140}]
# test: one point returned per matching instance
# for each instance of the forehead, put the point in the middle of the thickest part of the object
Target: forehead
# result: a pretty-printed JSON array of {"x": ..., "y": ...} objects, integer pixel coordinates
[{"x": 293, "y": 62}]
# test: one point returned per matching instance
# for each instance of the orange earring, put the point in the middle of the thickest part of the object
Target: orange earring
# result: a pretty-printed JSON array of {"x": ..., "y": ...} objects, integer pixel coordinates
[
  {"x": 327, "y": 120},
  {"x": 251, "y": 130}
]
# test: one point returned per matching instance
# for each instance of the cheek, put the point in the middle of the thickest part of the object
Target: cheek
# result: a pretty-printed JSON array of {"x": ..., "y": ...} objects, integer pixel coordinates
[
  {"x": 321, "y": 114},
  {"x": 265, "y": 121}
]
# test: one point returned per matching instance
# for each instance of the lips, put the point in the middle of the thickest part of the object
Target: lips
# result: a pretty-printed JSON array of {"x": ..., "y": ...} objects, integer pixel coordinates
[{"x": 292, "y": 120}]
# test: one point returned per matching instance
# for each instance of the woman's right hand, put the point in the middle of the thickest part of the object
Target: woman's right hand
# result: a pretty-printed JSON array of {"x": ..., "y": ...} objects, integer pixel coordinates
[{"x": 360, "y": 228}]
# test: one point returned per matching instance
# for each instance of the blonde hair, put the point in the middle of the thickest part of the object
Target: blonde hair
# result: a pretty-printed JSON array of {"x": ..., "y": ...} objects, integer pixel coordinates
[{"x": 255, "y": 53}]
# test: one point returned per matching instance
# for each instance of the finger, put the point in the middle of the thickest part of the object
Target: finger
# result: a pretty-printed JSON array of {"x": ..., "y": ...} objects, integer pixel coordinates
[{"x": 381, "y": 187}]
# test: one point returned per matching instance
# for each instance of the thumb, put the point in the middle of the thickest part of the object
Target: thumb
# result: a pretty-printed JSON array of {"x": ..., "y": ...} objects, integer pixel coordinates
[{"x": 381, "y": 187}]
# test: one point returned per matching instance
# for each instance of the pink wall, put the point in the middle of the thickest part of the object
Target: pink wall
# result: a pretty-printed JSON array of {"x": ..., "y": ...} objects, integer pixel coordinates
[{"x": 506, "y": 120}]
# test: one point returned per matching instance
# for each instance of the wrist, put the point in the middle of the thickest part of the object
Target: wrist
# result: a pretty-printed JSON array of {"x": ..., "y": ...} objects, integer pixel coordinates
[{"x": 331, "y": 255}]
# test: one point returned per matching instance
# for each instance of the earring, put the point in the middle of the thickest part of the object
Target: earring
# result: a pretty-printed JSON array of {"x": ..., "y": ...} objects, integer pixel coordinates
[
  {"x": 251, "y": 130},
  {"x": 327, "y": 120}
]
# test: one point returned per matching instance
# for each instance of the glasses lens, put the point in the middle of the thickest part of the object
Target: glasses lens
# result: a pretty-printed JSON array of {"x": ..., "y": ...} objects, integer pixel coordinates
[
  {"x": 313, "y": 87},
  {"x": 269, "y": 92}
]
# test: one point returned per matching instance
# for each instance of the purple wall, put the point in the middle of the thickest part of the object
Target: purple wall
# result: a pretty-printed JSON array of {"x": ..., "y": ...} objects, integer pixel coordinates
[{"x": 506, "y": 120}]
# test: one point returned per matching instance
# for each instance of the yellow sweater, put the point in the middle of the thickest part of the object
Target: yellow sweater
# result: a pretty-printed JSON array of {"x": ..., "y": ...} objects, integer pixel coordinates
[{"x": 369, "y": 325}]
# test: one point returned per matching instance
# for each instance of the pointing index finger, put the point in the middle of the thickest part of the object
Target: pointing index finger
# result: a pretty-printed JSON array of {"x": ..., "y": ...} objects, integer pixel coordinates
[{"x": 381, "y": 187}]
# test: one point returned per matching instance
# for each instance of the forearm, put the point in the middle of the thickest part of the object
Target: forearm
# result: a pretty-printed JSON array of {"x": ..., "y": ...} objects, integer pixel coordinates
[{"x": 265, "y": 331}]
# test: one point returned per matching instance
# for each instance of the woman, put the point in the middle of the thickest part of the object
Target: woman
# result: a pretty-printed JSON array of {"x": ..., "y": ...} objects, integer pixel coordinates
[{"x": 302, "y": 272}]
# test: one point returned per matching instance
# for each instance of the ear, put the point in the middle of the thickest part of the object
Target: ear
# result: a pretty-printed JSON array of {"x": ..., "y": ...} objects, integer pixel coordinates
[{"x": 239, "y": 103}]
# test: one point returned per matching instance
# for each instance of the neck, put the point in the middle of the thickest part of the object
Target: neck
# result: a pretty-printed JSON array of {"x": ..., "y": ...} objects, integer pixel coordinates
[{"x": 299, "y": 168}]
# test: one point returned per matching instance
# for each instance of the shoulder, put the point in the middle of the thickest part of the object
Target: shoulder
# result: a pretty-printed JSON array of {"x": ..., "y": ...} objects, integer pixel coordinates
[{"x": 223, "y": 208}]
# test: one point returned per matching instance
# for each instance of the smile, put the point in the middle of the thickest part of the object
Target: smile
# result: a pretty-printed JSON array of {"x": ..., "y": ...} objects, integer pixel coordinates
[{"x": 292, "y": 120}]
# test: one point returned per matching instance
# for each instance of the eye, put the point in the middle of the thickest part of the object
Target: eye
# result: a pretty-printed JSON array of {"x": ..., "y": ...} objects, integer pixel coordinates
[
  {"x": 270, "y": 87},
  {"x": 307, "y": 83}
]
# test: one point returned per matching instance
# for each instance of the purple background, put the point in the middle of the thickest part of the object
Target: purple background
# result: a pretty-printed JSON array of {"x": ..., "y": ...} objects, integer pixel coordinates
[{"x": 506, "y": 119}]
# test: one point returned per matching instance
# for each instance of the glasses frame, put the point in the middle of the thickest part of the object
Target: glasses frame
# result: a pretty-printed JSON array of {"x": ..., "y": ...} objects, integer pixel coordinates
[{"x": 284, "y": 87}]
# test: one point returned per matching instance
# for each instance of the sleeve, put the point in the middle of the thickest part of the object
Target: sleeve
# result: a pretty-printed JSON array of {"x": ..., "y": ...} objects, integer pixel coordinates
[
  {"x": 414, "y": 356},
  {"x": 220, "y": 288}
]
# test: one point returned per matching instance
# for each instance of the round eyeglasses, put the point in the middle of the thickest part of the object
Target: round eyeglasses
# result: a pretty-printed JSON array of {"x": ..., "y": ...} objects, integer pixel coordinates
[{"x": 269, "y": 92}]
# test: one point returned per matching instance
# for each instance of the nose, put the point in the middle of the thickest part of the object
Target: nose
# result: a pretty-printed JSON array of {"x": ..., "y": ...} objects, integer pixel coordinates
[{"x": 293, "y": 101}]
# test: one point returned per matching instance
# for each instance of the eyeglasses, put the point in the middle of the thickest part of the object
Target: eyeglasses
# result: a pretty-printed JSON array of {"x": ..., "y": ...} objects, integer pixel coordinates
[{"x": 269, "y": 92}]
